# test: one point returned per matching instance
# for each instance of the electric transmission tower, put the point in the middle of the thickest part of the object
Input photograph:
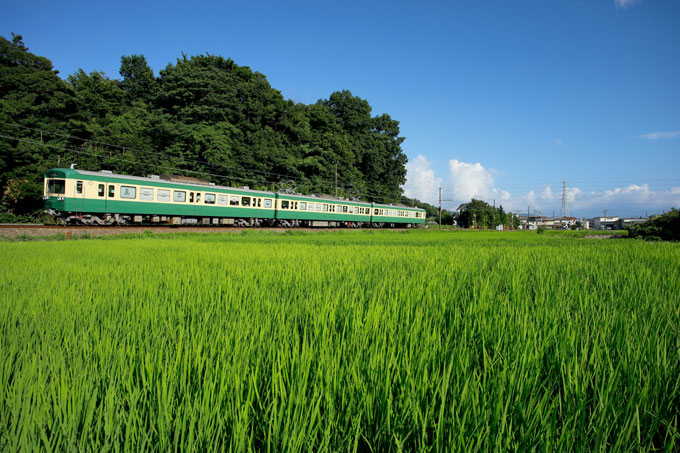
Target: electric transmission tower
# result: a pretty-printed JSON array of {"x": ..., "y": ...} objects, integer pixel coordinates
[{"x": 564, "y": 211}]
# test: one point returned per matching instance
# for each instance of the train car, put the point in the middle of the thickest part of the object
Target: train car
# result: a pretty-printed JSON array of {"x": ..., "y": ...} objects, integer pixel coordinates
[
  {"x": 396, "y": 216},
  {"x": 314, "y": 211},
  {"x": 105, "y": 198}
]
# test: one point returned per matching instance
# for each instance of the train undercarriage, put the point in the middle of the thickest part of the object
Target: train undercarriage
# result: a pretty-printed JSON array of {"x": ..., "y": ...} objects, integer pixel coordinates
[{"x": 76, "y": 218}]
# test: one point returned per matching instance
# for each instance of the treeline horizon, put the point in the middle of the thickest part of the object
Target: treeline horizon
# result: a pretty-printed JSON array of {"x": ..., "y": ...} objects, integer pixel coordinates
[{"x": 203, "y": 116}]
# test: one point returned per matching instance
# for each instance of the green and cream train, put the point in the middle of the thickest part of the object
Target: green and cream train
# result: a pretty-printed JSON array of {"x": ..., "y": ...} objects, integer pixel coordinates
[{"x": 105, "y": 198}]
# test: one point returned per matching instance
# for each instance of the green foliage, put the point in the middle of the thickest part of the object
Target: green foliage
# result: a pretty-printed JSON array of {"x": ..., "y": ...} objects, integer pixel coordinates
[
  {"x": 665, "y": 227},
  {"x": 203, "y": 116},
  {"x": 481, "y": 215},
  {"x": 430, "y": 210},
  {"x": 31, "y": 96},
  {"x": 381, "y": 341}
]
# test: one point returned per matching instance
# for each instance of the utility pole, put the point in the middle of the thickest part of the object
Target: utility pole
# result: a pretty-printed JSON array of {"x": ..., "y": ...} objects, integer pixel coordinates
[
  {"x": 494, "y": 214},
  {"x": 440, "y": 208},
  {"x": 605, "y": 220}
]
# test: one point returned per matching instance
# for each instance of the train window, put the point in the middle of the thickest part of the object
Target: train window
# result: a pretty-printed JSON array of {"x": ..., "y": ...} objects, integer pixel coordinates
[
  {"x": 145, "y": 193},
  {"x": 233, "y": 200},
  {"x": 112, "y": 191},
  {"x": 284, "y": 204},
  {"x": 79, "y": 187},
  {"x": 324, "y": 208},
  {"x": 56, "y": 186},
  {"x": 245, "y": 201},
  {"x": 296, "y": 205},
  {"x": 310, "y": 206},
  {"x": 163, "y": 195},
  {"x": 375, "y": 212},
  {"x": 259, "y": 202},
  {"x": 179, "y": 196},
  {"x": 267, "y": 203},
  {"x": 344, "y": 209},
  {"x": 210, "y": 198},
  {"x": 128, "y": 192},
  {"x": 222, "y": 199},
  {"x": 191, "y": 197},
  {"x": 198, "y": 197},
  {"x": 318, "y": 206},
  {"x": 303, "y": 206},
  {"x": 100, "y": 190}
]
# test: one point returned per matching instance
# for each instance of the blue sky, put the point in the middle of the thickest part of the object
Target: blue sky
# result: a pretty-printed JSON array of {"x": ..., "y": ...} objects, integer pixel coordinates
[{"x": 500, "y": 100}]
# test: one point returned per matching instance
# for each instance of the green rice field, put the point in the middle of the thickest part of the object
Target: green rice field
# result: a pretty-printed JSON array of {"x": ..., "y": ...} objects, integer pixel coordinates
[{"x": 340, "y": 341}]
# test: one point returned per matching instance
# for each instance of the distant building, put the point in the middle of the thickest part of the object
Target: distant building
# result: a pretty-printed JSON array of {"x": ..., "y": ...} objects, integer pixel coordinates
[
  {"x": 564, "y": 223},
  {"x": 534, "y": 221},
  {"x": 625, "y": 223},
  {"x": 605, "y": 223}
]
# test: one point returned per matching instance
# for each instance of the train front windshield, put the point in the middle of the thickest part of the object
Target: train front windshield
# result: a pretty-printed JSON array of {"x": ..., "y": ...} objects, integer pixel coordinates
[{"x": 57, "y": 186}]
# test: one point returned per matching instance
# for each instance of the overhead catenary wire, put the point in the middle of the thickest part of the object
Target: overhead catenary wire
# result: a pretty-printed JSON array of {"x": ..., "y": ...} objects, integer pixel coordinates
[
  {"x": 266, "y": 174},
  {"x": 374, "y": 195},
  {"x": 594, "y": 187}
]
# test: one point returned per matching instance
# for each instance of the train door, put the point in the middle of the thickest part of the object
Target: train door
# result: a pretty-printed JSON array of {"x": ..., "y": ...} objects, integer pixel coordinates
[
  {"x": 110, "y": 203},
  {"x": 192, "y": 200},
  {"x": 257, "y": 203},
  {"x": 79, "y": 196}
]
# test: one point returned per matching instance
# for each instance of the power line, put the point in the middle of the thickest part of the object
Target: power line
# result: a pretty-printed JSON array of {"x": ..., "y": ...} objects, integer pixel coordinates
[
  {"x": 374, "y": 195},
  {"x": 184, "y": 160}
]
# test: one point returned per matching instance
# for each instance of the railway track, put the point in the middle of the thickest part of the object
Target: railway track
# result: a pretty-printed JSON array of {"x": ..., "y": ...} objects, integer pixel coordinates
[{"x": 14, "y": 230}]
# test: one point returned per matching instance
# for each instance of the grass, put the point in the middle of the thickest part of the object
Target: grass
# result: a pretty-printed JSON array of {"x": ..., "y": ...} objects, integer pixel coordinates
[{"x": 382, "y": 341}]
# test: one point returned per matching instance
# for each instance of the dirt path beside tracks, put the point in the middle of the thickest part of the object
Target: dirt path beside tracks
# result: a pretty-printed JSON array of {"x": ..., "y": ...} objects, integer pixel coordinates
[{"x": 23, "y": 230}]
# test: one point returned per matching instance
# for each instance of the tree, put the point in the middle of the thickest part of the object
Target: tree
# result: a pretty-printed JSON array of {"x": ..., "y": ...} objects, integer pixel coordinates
[
  {"x": 663, "y": 227},
  {"x": 204, "y": 116},
  {"x": 479, "y": 214},
  {"x": 138, "y": 83},
  {"x": 32, "y": 99}
]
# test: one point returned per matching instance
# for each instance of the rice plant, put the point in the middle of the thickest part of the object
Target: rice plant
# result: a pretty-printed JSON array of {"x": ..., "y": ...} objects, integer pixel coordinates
[{"x": 353, "y": 341}]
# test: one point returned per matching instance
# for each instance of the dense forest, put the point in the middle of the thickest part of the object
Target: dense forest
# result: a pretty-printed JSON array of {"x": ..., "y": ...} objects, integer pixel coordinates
[{"x": 204, "y": 116}]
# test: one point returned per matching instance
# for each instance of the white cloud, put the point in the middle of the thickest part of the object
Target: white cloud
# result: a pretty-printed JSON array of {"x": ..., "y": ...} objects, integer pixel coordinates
[
  {"x": 631, "y": 201},
  {"x": 469, "y": 180},
  {"x": 465, "y": 181},
  {"x": 658, "y": 135},
  {"x": 624, "y": 4},
  {"x": 421, "y": 182},
  {"x": 547, "y": 194}
]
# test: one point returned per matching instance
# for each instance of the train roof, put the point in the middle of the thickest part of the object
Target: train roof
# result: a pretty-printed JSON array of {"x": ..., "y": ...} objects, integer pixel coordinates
[
  {"x": 178, "y": 182},
  {"x": 153, "y": 180}
]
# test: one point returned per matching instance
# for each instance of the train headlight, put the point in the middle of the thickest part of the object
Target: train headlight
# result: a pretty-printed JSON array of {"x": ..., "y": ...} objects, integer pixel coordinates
[
  {"x": 60, "y": 198},
  {"x": 46, "y": 198}
]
